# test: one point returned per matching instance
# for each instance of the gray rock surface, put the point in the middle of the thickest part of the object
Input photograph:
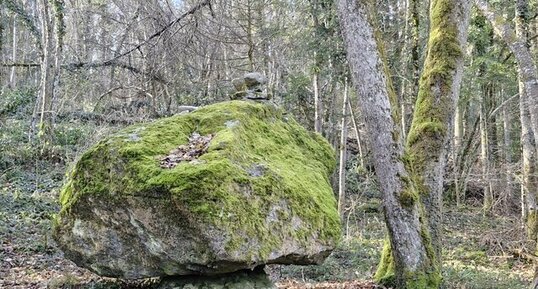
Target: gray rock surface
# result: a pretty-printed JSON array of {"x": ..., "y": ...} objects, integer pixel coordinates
[
  {"x": 227, "y": 187},
  {"x": 254, "y": 79},
  {"x": 250, "y": 86}
]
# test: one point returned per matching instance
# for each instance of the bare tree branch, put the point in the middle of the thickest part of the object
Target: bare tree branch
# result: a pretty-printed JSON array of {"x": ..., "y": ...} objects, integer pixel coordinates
[
  {"x": 160, "y": 32},
  {"x": 26, "y": 18},
  {"x": 81, "y": 65}
]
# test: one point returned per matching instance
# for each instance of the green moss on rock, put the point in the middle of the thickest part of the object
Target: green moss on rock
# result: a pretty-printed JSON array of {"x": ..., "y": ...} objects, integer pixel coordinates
[{"x": 259, "y": 163}]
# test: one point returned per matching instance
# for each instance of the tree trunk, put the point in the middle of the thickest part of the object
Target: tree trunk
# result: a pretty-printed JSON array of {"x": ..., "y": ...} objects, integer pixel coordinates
[
  {"x": 342, "y": 167},
  {"x": 529, "y": 184},
  {"x": 318, "y": 107},
  {"x": 484, "y": 157},
  {"x": 528, "y": 89},
  {"x": 47, "y": 70},
  {"x": 13, "y": 75},
  {"x": 411, "y": 191},
  {"x": 438, "y": 95},
  {"x": 318, "y": 99},
  {"x": 527, "y": 70},
  {"x": 407, "y": 243},
  {"x": 411, "y": 47},
  {"x": 456, "y": 147},
  {"x": 507, "y": 145},
  {"x": 2, "y": 28},
  {"x": 250, "y": 36},
  {"x": 358, "y": 134}
]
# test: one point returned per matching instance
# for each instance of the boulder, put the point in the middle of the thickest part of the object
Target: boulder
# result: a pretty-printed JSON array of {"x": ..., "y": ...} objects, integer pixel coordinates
[{"x": 227, "y": 187}]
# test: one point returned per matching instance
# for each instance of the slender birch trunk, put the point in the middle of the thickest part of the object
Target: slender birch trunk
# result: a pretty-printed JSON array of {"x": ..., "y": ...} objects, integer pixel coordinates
[
  {"x": 343, "y": 148},
  {"x": 47, "y": 70},
  {"x": 13, "y": 74},
  {"x": 456, "y": 147},
  {"x": 357, "y": 133},
  {"x": 507, "y": 145}
]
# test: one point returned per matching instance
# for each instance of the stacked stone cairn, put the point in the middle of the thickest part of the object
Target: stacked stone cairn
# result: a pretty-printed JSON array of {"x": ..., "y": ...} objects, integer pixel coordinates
[{"x": 250, "y": 87}]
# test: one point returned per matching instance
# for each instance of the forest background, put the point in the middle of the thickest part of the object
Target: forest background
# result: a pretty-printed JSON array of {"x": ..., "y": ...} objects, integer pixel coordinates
[{"x": 72, "y": 72}]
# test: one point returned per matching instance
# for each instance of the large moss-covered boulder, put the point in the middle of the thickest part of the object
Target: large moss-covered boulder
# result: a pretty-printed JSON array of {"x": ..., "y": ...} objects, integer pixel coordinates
[{"x": 227, "y": 187}]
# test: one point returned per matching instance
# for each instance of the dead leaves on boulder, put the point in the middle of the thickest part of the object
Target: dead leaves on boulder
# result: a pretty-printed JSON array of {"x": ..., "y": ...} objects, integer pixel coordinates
[{"x": 190, "y": 152}]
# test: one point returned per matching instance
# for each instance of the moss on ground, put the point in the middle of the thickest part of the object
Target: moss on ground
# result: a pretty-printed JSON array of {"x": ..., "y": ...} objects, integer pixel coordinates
[{"x": 220, "y": 189}]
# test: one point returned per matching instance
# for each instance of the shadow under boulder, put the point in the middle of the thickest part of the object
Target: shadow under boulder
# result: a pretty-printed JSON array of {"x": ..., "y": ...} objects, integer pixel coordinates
[{"x": 256, "y": 279}]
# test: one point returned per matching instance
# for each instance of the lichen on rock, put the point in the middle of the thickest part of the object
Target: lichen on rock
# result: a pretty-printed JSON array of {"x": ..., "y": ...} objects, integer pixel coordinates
[{"x": 258, "y": 194}]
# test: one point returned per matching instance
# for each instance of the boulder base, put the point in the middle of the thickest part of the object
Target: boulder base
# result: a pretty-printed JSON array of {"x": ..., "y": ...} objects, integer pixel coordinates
[
  {"x": 237, "y": 280},
  {"x": 227, "y": 187}
]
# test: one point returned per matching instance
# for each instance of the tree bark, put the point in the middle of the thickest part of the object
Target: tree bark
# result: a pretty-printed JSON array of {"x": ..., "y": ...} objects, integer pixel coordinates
[
  {"x": 412, "y": 191},
  {"x": 13, "y": 75},
  {"x": 485, "y": 157},
  {"x": 358, "y": 134},
  {"x": 343, "y": 148},
  {"x": 47, "y": 69},
  {"x": 318, "y": 104},
  {"x": 412, "y": 66},
  {"x": 439, "y": 88},
  {"x": 529, "y": 184},
  {"x": 456, "y": 148},
  {"x": 507, "y": 145}
]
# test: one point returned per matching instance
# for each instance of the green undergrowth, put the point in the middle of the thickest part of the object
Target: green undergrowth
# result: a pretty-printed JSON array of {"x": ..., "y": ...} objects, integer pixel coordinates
[
  {"x": 476, "y": 251},
  {"x": 471, "y": 258},
  {"x": 292, "y": 168}
]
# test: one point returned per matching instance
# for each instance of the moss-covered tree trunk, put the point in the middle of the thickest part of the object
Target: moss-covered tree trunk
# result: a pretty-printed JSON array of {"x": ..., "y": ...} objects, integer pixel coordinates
[
  {"x": 437, "y": 99},
  {"x": 411, "y": 179},
  {"x": 378, "y": 106}
]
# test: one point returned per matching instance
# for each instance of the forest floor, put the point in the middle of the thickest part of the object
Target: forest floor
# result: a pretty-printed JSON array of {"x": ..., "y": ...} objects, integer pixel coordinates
[{"x": 480, "y": 252}]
